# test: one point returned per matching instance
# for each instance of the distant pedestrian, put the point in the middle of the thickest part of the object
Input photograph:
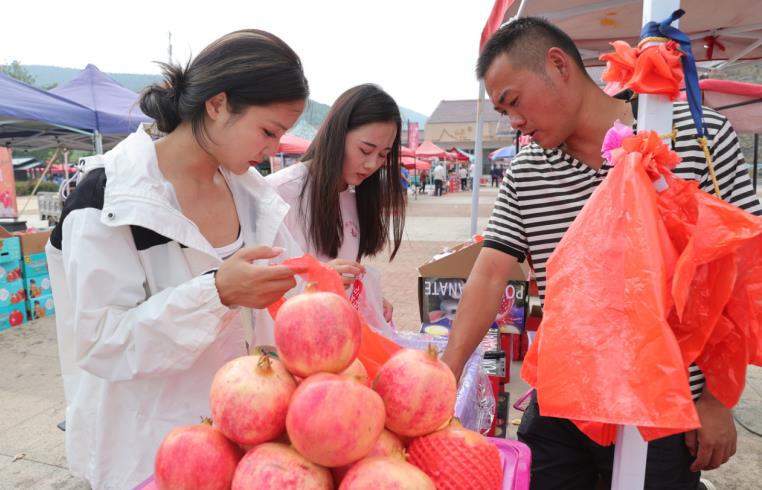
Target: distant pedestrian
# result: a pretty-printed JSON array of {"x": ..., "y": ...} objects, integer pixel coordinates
[
  {"x": 439, "y": 177},
  {"x": 496, "y": 173}
]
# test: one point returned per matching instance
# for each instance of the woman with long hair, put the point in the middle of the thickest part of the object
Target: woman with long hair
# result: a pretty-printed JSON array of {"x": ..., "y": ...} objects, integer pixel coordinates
[{"x": 346, "y": 195}]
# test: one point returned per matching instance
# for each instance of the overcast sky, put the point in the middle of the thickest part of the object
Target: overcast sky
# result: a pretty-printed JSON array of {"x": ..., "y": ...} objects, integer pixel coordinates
[{"x": 420, "y": 51}]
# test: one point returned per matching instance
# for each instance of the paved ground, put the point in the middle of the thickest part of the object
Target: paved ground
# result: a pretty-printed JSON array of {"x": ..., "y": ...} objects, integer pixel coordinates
[{"x": 31, "y": 394}]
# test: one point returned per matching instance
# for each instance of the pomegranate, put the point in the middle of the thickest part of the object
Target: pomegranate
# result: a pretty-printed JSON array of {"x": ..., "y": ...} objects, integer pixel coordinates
[
  {"x": 357, "y": 371},
  {"x": 418, "y": 391},
  {"x": 317, "y": 332},
  {"x": 249, "y": 399},
  {"x": 272, "y": 465},
  {"x": 385, "y": 472},
  {"x": 197, "y": 456},
  {"x": 456, "y": 458},
  {"x": 334, "y": 420},
  {"x": 387, "y": 444}
]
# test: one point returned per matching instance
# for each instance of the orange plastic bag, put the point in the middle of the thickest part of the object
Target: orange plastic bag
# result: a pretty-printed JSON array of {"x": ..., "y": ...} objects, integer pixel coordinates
[
  {"x": 651, "y": 70},
  {"x": 717, "y": 286},
  {"x": 604, "y": 352},
  {"x": 375, "y": 349},
  {"x": 673, "y": 278}
]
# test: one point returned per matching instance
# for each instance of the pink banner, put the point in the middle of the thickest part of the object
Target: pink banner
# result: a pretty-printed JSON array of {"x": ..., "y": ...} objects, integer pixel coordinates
[
  {"x": 8, "y": 207},
  {"x": 413, "y": 136}
]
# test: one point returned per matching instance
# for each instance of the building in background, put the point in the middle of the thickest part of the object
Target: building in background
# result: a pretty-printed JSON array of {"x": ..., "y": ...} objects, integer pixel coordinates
[{"x": 453, "y": 124}]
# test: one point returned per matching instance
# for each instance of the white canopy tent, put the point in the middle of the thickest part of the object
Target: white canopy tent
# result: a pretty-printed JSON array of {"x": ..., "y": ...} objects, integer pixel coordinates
[{"x": 724, "y": 34}]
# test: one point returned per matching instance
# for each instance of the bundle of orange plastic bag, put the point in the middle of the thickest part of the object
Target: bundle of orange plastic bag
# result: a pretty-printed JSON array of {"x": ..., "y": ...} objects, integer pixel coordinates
[
  {"x": 643, "y": 284},
  {"x": 646, "y": 70}
]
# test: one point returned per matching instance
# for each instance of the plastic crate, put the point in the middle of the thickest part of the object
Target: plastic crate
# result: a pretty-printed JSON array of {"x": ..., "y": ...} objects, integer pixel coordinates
[{"x": 514, "y": 456}]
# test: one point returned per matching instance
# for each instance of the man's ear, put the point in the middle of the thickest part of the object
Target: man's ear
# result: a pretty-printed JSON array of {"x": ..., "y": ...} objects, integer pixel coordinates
[
  {"x": 559, "y": 62},
  {"x": 216, "y": 106}
]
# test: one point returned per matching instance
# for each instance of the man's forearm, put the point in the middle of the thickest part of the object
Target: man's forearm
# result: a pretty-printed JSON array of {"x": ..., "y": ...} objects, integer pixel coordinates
[{"x": 477, "y": 310}]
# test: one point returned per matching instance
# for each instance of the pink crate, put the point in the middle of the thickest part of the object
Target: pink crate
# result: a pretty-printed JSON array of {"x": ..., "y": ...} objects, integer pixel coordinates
[
  {"x": 514, "y": 455},
  {"x": 149, "y": 484},
  {"x": 517, "y": 462}
]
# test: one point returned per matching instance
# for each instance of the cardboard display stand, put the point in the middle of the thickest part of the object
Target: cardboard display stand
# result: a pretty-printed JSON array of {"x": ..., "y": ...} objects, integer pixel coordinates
[{"x": 440, "y": 285}]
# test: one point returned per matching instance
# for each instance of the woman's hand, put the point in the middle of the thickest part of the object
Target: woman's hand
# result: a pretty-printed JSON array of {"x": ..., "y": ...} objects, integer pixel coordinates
[
  {"x": 241, "y": 283},
  {"x": 347, "y": 269},
  {"x": 388, "y": 311}
]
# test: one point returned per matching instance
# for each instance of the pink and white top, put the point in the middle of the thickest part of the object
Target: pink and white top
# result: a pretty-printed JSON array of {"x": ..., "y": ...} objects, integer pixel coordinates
[{"x": 288, "y": 183}]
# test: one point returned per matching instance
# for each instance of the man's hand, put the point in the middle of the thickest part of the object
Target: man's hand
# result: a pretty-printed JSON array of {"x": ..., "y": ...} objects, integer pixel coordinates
[{"x": 714, "y": 442}]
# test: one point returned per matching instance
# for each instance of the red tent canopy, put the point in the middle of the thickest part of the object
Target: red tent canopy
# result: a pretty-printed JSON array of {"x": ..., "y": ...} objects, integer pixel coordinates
[
  {"x": 406, "y": 152},
  {"x": 430, "y": 150},
  {"x": 740, "y": 102},
  {"x": 411, "y": 163},
  {"x": 292, "y": 144},
  {"x": 458, "y": 155}
]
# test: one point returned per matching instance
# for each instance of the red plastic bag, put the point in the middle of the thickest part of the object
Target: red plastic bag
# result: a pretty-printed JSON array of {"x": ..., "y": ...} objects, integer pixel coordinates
[
  {"x": 604, "y": 352},
  {"x": 375, "y": 349},
  {"x": 673, "y": 278},
  {"x": 717, "y": 286},
  {"x": 654, "y": 69}
]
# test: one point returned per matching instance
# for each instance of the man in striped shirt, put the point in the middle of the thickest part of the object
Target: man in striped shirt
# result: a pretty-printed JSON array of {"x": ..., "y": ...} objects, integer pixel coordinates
[{"x": 535, "y": 76}]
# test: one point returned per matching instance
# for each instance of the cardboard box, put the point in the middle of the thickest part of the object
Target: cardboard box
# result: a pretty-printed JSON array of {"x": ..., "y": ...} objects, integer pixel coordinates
[
  {"x": 440, "y": 286},
  {"x": 10, "y": 272},
  {"x": 33, "y": 253},
  {"x": 35, "y": 264},
  {"x": 41, "y": 307},
  {"x": 37, "y": 286},
  {"x": 12, "y": 316},
  {"x": 12, "y": 293},
  {"x": 10, "y": 246}
]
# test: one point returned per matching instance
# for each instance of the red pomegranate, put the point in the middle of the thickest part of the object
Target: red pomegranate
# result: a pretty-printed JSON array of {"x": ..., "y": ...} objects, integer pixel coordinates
[
  {"x": 277, "y": 466},
  {"x": 317, "y": 332},
  {"x": 456, "y": 458},
  {"x": 418, "y": 391},
  {"x": 387, "y": 444},
  {"x": 385, "y": 472},
  {"x": 197, "y": 456},
  {"x": 334, "y": 420},
  {"x": 249, "y": 399}
]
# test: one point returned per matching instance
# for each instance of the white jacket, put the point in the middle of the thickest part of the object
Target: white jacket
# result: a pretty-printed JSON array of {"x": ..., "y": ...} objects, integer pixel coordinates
[{"x": 141, "y": 329}]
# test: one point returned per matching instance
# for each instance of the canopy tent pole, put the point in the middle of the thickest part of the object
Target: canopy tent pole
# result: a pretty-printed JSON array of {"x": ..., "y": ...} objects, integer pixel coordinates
[
  {"x": 66, "y": 164},
  {"x": 478, "y": 153},
  {"x": 98, "y": 142},
  {"x": 655, "y": 114},
  {"x": 499, "y": 8}
]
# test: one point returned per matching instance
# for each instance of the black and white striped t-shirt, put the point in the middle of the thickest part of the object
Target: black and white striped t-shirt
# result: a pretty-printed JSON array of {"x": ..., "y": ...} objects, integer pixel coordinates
[{"x": 544, "y": 190}]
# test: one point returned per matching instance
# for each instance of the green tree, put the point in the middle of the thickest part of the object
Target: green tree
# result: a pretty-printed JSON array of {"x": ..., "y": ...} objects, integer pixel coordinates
[{"x": 15, "y": 70}]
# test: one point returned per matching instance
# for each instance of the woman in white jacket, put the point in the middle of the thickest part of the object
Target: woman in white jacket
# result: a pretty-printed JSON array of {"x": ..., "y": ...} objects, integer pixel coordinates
[
  {"x": 346, "y": 196},
  {"x": 160, "y": 248}
]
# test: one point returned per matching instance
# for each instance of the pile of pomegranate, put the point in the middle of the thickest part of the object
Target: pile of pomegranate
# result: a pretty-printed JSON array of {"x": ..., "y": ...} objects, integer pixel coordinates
[{"x": 312, "y": 419}]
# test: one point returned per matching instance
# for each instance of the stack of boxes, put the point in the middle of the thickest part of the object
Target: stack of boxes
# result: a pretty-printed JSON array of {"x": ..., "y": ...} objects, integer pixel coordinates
[
  {"x": 25, "y": 292},
  {"x": 440, "y": 286},
  {"x": 12, "y": 292},
  {"x": 39, "y": 295}
]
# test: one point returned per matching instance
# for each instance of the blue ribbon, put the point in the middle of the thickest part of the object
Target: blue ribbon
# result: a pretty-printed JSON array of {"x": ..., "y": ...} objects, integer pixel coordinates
[{"x": 692, "y": 90}]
